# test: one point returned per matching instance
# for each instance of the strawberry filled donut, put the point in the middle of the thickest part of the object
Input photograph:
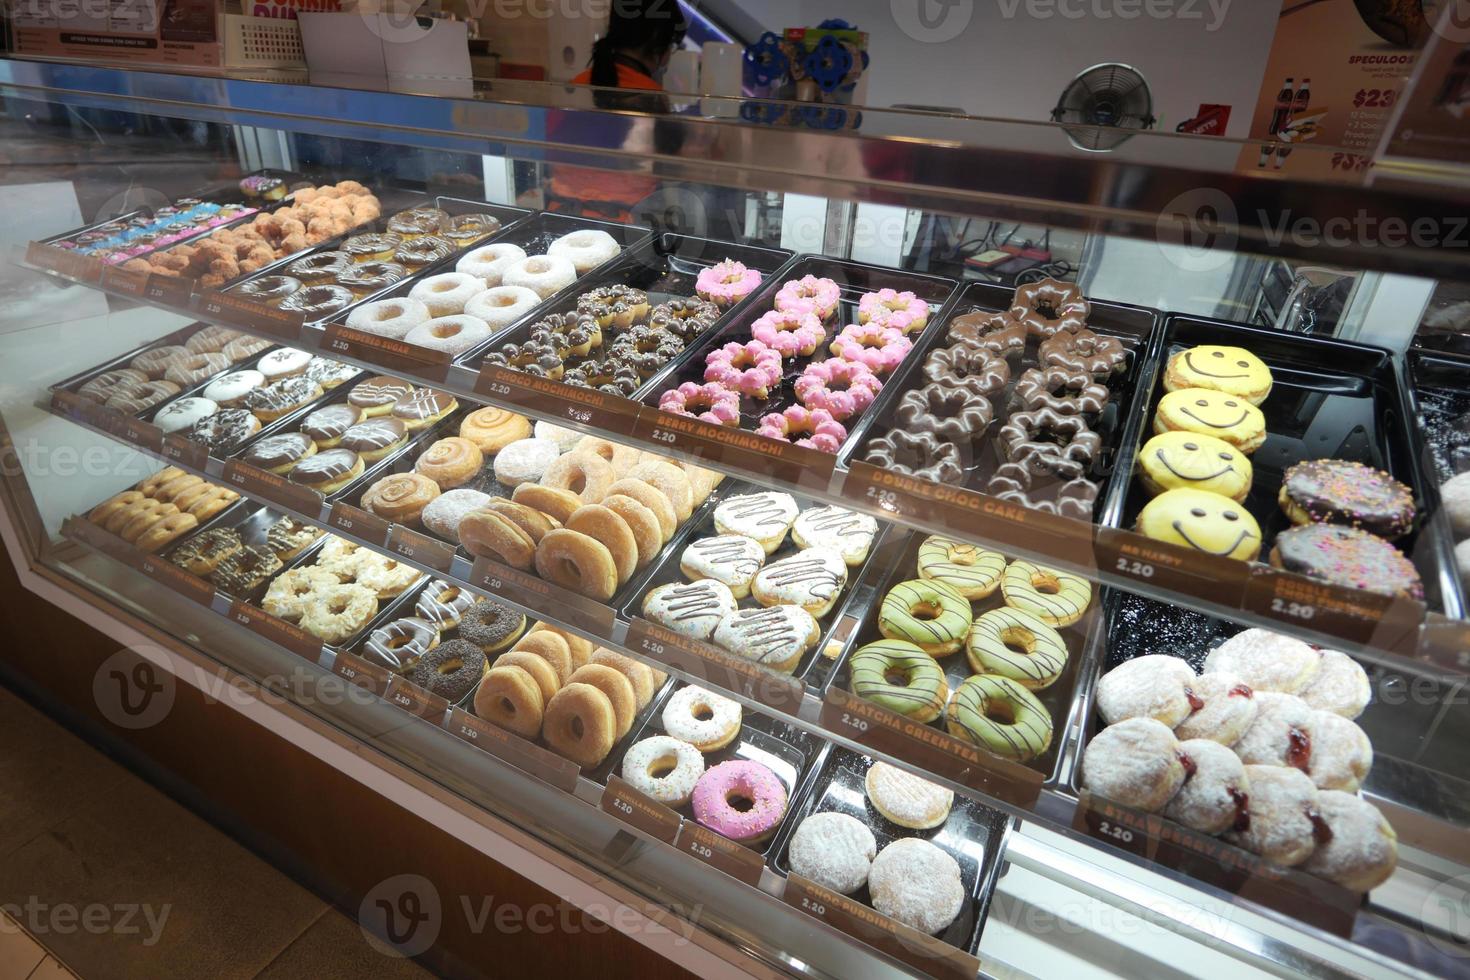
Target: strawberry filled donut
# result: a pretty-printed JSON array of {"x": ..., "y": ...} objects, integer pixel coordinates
[
  {"x": 790, "y": 333},
  {"x": 809, "y": 294},
  {"x": 726, "y": 283},
  {"x": 752, "y": 369},
  {"x": 838, "y": 386},
  {"x": 889, "y": 308},
  {"x": 707, "y": 402},
  {"x": 880, "y": 349},
  {"x": 813, "y": 429}
]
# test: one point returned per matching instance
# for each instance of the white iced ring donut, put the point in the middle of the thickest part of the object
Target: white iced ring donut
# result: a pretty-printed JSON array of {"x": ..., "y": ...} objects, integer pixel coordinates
[
  {"x": 500, "y": 306},
  {"x": 586, "y": 249},
  {"x": 701, "y": 718},
  {"x": 448, "y": 292},
  {"x": 455, "y": 334},
  {"x": 490, "y": 261},
  {"x": 673, "y": 787},
  {"x": 388, "y": 317},
  {"x": 542, "y": 274}
]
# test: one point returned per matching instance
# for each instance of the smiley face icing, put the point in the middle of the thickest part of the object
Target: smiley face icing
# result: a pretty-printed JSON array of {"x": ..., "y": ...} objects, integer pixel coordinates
[
  {"x": 1233, "y": 370},
  {"x": 1203, "y": 521},
  {"x": 1177, "y": 460},
  {"x": 1212, "y": 413}
]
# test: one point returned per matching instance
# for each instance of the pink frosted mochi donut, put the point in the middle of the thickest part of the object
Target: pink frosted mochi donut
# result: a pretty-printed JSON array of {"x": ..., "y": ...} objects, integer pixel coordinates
[
  {"x": 707, "y": 402},
  {"x": 751, "y": 369},
  {"x": 889, "y": 308},
  {"x": 838, "y": 386},
  {"x": 745, "y": 781},
  {"x": 879, "y": 348},
  {"x": 817, "y": 429},
  {"x": 726, "y": 283},
  {"x": 809, "y": 295},
  {"x": 790, "y": 333}
]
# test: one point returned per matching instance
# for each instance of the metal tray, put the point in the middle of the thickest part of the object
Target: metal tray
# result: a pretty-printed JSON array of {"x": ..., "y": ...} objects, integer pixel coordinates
[
  {"x": 973, "y": 835},
  {"x": 1058, "y": 698},
  {"x": 1134, "y": 326},
  {"x": 1437, "y": 387}
]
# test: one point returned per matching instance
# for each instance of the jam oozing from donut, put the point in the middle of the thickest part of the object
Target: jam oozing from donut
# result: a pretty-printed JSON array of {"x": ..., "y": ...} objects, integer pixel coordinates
[
  {"x": 1242, "y": 822},
  {"x": 1299, "y": 749},
  {"x": 1240, "y": 691},
  {"x": 1190, "y": 766},
  {"x": 1195, "y": 701},
  {"x": 1321, "y": 832}
]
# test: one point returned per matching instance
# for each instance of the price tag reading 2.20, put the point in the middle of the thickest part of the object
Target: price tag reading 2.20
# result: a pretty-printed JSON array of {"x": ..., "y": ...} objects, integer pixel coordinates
[{"x": 639, "y": 811}]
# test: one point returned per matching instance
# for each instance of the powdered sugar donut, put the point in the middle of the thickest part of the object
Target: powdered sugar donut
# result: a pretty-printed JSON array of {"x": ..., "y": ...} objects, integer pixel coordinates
[
  {"x": 916, "y": 883},
  {"x": 812, "y": 428},
  {"x": 809, "y": 294},
  {"x": 1136, "y": 763},
  {"x": 456, "y": 333},
  {"x": 1363, "y": 850},
  {"x": 1280, "y": 807},
  {"x": 443, "y": 514},
  {"x": 726, "y": 283},
  {"x": 1156, "y": 686},
  {"x": 524, "y": 460},
  {"x": 544, "y": 275},
  {"x": 838, "y": 386},
  {"x": 889, "y": 308},
  {"x": 1341, "y": 753},
  {"x": 1215, "y": 796},
  {"x": 1227, "y": 709},
  {"x": 566, "y": 439},
  {"x": 709, "y": 402},
  {"x": 585, "y": 249},
  {"x": 664, "y": 768},
  {"x": 788, "y": 332},
  {"x": 834, "y": 850},
  {"x": 907, "y": 800},
  {"x": 447, "y": 293},
  {"x": 389, "y": 317},
  {"x": 500, "y": 306},
  {"x": 1266, "y": 661},
  {"x": 489, "y": 262},
  {"x": 879, "y": 348},
  {"x": 1339, "y": 686},
  {"x": 1281, "y": 733},
  {"x": 752, "y": 369}
]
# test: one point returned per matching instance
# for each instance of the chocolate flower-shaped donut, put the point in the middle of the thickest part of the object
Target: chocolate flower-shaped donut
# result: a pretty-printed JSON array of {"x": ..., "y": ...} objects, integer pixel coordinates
[
  {"x": 972, "y": 368},
  {"x": 1063, "y": 444},
  {"x": 1059, "y": 389},
  {"x": 1084, "y": 351},
  {"x": 918, "y": 454},
  {"x": 611, "y": 375},
  {"x": 1049, "y": 306},
  {"x": 998, "y": 333},
  {"x": 1031, "y": 485},
  {"x": 953, "y": 414}
]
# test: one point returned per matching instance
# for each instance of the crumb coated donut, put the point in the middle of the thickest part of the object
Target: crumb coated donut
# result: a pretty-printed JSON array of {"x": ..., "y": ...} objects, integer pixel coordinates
[
  {"x": 1339, "y": 686},
  {"x": 450, "y": 670},
  {"x": 1266, "y": 661},
  {"x": 1136, "y": 762},
  {"x": 1058, "y": 598},
  {"x": 899, "y": 676},
  {"x": 579, "y": 724},
  {"x": 617, "y": 688},
  {"x": 575, "y": 561},
  {"x": 739, "y": 799},
  {"x": 1282, "y": 805},
  {"x": 1281, "y": 734},
  {"x": 492, "y": 429},
  {"x": 585, "y": 474},
  {"x": 1155, "y": 686},
  {"x": 971, "y": 571},
  {"x": 1215, "y": 796},
  {"x": 640, "y": 675},
  {"x": 510, "y": 697},
  {"x": 1341, "y": 752},
  {"x": 705, "y": 720},
  {"x": 906, "y": 799},
  {"x": 664, "y": 768},
  {"x": 916, "y": 883},
  {"x": 927, "y": 613},
  {"x": 1360, "y": 850},
  {"x": 1016, "y": 645},
  {"x": 834, "y": 850},
  {"x": 1000, "y": 716},
  {"x": 1227, "y": 709},
  {"x": 490, "y": 625}
]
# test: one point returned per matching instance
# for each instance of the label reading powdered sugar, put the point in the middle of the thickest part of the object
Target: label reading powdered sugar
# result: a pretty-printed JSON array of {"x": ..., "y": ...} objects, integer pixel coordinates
[{"x": 395, "y": 355}]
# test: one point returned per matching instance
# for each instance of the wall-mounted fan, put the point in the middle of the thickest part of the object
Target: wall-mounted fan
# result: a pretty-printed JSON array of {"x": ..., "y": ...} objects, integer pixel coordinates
[{"x": 1100, "y": 106}]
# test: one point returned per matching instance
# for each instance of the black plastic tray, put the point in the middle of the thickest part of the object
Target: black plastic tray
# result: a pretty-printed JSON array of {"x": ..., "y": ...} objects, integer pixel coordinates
[
  {"x": 174, "y": 338},
  {"x": 973, "y": 836},
  {"x": 252, "y": 521},
  {"x": 1134, "y": 326},
  {"x": 1437, "y": 387}
]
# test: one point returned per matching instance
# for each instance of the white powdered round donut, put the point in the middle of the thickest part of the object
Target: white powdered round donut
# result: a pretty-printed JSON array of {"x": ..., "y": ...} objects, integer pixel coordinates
[
  {"x": 1281, "y": 804},
  {"x": 916, "y": 883},
  {"x": 1229, "y": 709},
  {"x": 542, "y": 274},
  {"x": 1455, "y": 492},
  {"x": 444, "y": 512},
  {"x": 500, "y": 306},
  {"x": 906, "y": 799},
  {"x": 679, "y": 719},
  {"x": 1215, "y": 794},
  {"x": 586, "y": 249},
  {"x": 389, "y": 317},
  {"x": 833, "y": 849},
  {"x": 1266, "y": 661},
  {"x": 1155, "y": 686},
  {"x": 563, "y": 437},
  {"x": 1341, "y": 753},
  {"x": 524, "y": 460},
  {"x": 447, "y": 293},
  {"x": 1283, "y": 724},
  {"x": 1339, "y": 686},
  {"x": 674, "y": 787},
  {"x": 1363, "y": 850},
  {"x": 456, "y": 333},
  {"x": 489, "y": 262},
  {"x": 1135, "y": 763}
]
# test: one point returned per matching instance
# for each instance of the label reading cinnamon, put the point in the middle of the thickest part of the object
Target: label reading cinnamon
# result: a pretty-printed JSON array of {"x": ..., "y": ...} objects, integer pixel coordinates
[
  {"x": 171, "y": 576},
  {"x": 361, "y": 672},
  {"x": 723, "y": 670},
  {"x": 66, "y": 262},
  {"x": 271, "y": 488},
  {"x": 175, "y": 291},
  {"x": 932, "y": 956},
  {"x": 124, "y": 281},
  {"x": 734, "y": 859},
  {"x": 420, "y": 548},
  {"x": 526, "y": 756},
  {"x": 238, "y": 310},
  {"x": 542, "y": 597},
  {"x": 278, "y": 631},
  {"x": 929, "y": 748},
  {"x": 395, "y": 355},
  {"x": 640, "y": 811},
  {"x": 358, "y": 522},
  {"x": 1379, "y": 621},
  {"x": 1135, "y": 558},
  {"x": 403, "y": 693},
  {"x": 731, "y": 446},
  {"x": 609, "y": 413},
  {"x": 187, "y": 453}
]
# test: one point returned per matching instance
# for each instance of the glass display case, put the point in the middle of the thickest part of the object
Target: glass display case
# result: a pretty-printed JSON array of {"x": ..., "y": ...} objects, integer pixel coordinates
[{"x": 675, "y": 481}]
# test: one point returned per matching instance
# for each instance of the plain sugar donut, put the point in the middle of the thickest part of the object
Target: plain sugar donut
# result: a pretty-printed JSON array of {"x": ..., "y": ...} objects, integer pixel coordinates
[
  {"x": 575, "y": 561},
  {"x": 489, "y": 262},
  {"x": 586, "y": 249},
  {"x": 511, "y": 698},
  {"x": 500, "y": 306},
  {"x": 389, "y": 317},
  {"x": 618, "y": 690},
  {"x": 579, "y": 725},
  {"x": 447, "y": 293}
]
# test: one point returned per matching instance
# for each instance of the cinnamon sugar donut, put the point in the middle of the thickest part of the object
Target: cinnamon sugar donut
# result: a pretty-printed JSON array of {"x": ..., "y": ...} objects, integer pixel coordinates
[
  {"x": 492, "y": 429},
  {"x": 618, "y": 690},
  {"x": 451, "y": 462}
]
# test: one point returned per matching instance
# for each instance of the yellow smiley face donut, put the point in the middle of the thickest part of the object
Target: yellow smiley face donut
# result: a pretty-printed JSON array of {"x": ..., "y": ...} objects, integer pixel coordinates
[
  {"x": 1233, "y": 370},
  {"x": 1203, "y": 521},
  {"x": 1212, "y": 413},
  {"x": 1177, "y": 460},
  {"x": 1056, "y": 598}
]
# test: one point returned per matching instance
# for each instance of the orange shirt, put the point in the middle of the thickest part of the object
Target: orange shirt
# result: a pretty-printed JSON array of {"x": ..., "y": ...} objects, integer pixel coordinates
[
  {"x": 628, "y": 77},
  {"x": 616, "y": 192}
]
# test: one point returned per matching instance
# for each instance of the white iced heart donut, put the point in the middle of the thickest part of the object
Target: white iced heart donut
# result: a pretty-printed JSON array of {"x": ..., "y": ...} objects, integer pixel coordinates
[
  {"x": 848, "y": 534},
  {"x": 542, "y": 274},
  {"x": 500, "y": 306},
  {"x": 704, "y": 719},
  {"x": 283, "y": 362},
  {"x": 833, "y": 849},
  {"x": 489, "y": 262},
  {"x": 729, "y": 558},
  {"x": 456, "y": 333},
  {"x": 389, "y": 317},
  {"x": 763, "y": 517},
  {"x": 773, "y": 637},
  {"x": 677, "y": 763},
  {"x": 586, "y": 249},
  {"x": 811, "y": 579},
  {"x": 448, "y": 292},
  {"x": 691, "y": 609}
]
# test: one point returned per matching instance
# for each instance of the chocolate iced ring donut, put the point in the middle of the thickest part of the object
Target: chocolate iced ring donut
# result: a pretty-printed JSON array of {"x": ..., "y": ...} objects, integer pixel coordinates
[
  {"x": 1083, "y": 350},
  {"x": 467, "y": 228},
  {"x": 684, "y": 318},
  {"x": 956, "y": 415},
  {"x": 422, "y": 251},
  {"x": 377, "y": 245},
  {"x": 1048, "y": 306},
  {"x": 369, "y": 277},
  {"x": 999, "y": 333},
  {"x": 1060, "y": 389},
  {"x": 918, "y": 454},
  {"x": 418, "y": 221},
  {"x": 269, "y": 287},
  {"x": 1064, "y": 442},
  {"x": 317, "y": 302},
  {"x": 320, "y": 267},
  {"x": 974, "y": 369}
]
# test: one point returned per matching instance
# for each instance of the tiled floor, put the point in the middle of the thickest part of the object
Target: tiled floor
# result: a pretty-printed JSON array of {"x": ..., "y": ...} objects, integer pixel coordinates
[{"x": 112, "y": 878}]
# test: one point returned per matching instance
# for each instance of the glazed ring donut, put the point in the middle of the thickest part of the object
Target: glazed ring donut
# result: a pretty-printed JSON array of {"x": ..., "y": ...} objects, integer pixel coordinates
[
  {"x": 492, "y": 429},
  {"x": 971, "y": 571},
  {"x": 399, "y": 644},
  {"x": 668, "y": 480},
  {"x": 487, "y": 534},
  {"x": 189, "y": 371},
  {"x": 528, "y": 519},
  {"x": 131, "y": 523},
  {"x": 603, "y": 524},
  {"x": 617, "y": 688},
  {"x": 152, "y": 483},
  {"x": 165, "y": 531},
  {"x": 992, "y": 648},
  {"x": 642, "y": 524},
  {"x": 1000, "y": 716},
  {"x": 539, "y": 668},
  {"x": 576, "y": 561},
  {"x": 585, "y": 474},
  {"x": 1049, "y": 306},
  {"x": 929, "y": 614},
  {"x": 112, "y": 505},
  {"x": 579, "y": 724},
  {"x": 899, "y": 676},
  {"x": 559, "y": 505},
  {"x": 336, "y": 612},
  {"x": 664, "y": 768},
  {"x": 511, "y": 698},
  {"x": 1058, "y": 599},
  {"x": 553, "y": 648},
  {"x": 706, "y": 720},
  {"x": 650, "y": 497}
]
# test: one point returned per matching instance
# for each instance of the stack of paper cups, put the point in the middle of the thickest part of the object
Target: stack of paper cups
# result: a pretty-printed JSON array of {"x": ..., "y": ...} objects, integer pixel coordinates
[
  {"x": 682, "y": 77},
  {"x": 721, "y": 74}
]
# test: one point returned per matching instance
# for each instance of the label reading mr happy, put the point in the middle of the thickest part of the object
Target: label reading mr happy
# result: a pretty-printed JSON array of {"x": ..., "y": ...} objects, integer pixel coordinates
[
  {"x": 395, "y": 355},
  {"x": 1193, "y": 573},
  {"x": 780, "y": 691},
  {"x": 730, "y": 446},
  {"x": 640, "y": 811},
  {"x": 609, "y": 413}
]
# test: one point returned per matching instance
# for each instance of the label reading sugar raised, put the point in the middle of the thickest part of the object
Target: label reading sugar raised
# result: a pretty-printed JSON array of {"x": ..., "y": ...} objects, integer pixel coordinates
[
  {"x": 421, "y": 548},
  {"x": 734, "y": 859},
  {"x": 124, "y": 281},
  {"x": 526, "y": 756},
  {"x": 385, "y": 352},
  {"x": 933, "y": 957},
  {"x": 542, "y": 597},
  {"x": 1136, "y": 558},
  {"x": 64, "y": 261},
  {"x": 730, "y": 446},
  {"x": 271, "y": 487},
  {"x": 238, "y": 310},
  {"x": 176, "y": 291},
  {"x": 1379, "y": 621},
  {"x": 171, "y": 576},
  {"x": 187, "y": 453},
  {"x": 724, "y": 670},
  {"x": 403, "y": 693},
  {"x": 358, "y": 671},
  {"x": 609, "y": 413},
  {"x": 640, "y": 811},
  {"x": 278, "y": 631},
  {"x": 358, "y": 522}
]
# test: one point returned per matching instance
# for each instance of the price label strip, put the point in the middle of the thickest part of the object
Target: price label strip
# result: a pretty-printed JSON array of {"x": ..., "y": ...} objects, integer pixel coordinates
[
  {"x": 1363, "y": 617},
  {"x": 931, "y": 956},
  {"x": 526, "y": 756},
  {"x": 84, "y": 410},
  {"x": 609, "y": 413},
  {"x": 83, "y": 530},
  {"x": 702, "y": 660},
  {"x": 356, "y": 521},
  {"x": 542, "y": 597},
  {"x": 640, "y": 811},
  {"x": 932, "y": 749},
  {"x": 271, "y": 487},
  {"x": 171, "y": 576},
  {"x": 116, "y": 279},
  {"x": 735, "y": 447},
  {"x": 395, "y": 355},
  {"x": 145, "y": 435},
  {"x": 177, "y": 449},
  {"x": 238, "y": 310},
  {"x": 1445, "y": 642},
  {"x": 175, "y": 291},
  {"x": 1148, "y": 562},
  {"x": 421, "y": 548},
  {"x": 278, "y": 631},
  {"x": 403, "y": 693},
  {"x": 721, "y": 853},
  {"x": 356, "y": 670},
  {"x": 67, "y": 262}
]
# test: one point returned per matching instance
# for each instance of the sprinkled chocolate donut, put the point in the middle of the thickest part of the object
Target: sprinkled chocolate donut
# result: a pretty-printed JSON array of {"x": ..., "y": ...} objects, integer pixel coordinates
[{"x": 1336, "y": 491}]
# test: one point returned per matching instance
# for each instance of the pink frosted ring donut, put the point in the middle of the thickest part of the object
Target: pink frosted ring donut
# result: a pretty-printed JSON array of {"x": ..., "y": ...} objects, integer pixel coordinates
[
  {"x": 751, "y": 369},
  {"x": 838, "y": 386},
  {"x": 726, "y": 283},
  {"x": 790, "y": 334},
  {"x": 709, "y": 403},
  {"x": 817, "y": 427},
  {"x": 809, "y": 295},
  {"x": 747, "y": 781},
  {"x": 889, "y": 308},
  {"x": 879, "y": 348}
]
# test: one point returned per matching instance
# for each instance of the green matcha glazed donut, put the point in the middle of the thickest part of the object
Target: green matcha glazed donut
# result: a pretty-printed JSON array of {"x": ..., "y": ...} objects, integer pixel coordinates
[
  {"x": 1040, "y": 660},
  {"x": 897, "y": 675},
  {"x": 931, "y": 615},
  {"x": 971, "y": 571},
  {"x": 1000, "y": 716}
]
